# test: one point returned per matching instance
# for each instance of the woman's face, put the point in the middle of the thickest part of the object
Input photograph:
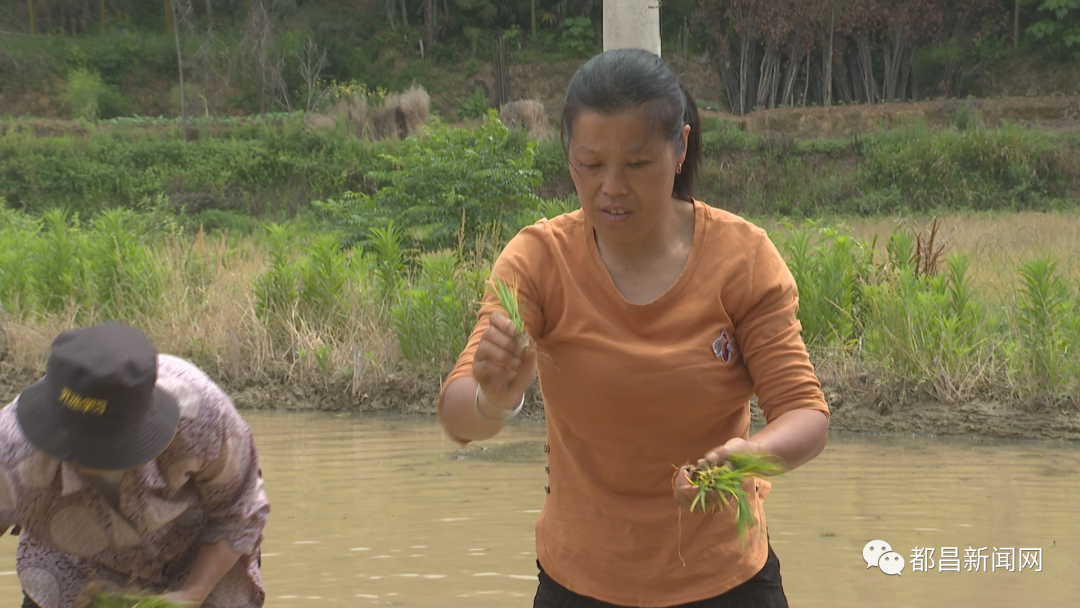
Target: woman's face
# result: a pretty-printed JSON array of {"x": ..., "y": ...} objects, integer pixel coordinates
[{"x": 623, "y": 169}]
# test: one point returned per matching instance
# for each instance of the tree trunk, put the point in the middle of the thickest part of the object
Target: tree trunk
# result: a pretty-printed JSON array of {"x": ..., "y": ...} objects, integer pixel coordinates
[
  {"x": 865, "y": 60},
  {"x": 390, "y": 10},
  {"x": 894, "y": 62},
  {"x": 858, "y": 89},
  {"x": 168, "y": 16},
  {"x": 429, "y": 23},
  {"x": 404, "y": 14},
  {"x": 768, "y": 78},
  {"x": 827, "y": 58},
  {"x": 1016, "y": 24},
  {"x": 913, "y": 70},
  {"x": 532, "y": 16},
  {"x": 731, "y": 85},
  {"x": 30, "y": 8},
  {"x": 180, "y": 68},
  {"x": 806, "y": 87},
  {"x": 842, "y": 81},
  {"x": 209, "y": 15},
  {"x": 788, "y": 96},
  {"x": 102, "y": 5}
]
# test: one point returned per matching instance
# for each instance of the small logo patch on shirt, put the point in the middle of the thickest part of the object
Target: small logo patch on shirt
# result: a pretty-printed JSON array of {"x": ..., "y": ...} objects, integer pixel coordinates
[{"x": 723, "y": 347}]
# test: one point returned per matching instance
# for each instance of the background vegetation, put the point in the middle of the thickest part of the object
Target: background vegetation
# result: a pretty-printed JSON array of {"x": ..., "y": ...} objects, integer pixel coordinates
[
  {"x": 383, "y": 273},
  {"x": 242, "y": 57}
]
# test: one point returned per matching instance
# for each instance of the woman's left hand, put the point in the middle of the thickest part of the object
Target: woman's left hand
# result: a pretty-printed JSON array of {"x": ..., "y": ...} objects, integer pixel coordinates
[{"x": 685, "y": 492}]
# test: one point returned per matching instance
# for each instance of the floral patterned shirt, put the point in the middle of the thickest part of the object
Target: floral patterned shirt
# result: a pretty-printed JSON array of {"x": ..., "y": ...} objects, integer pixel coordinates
[{"x": 205, "y": 487}]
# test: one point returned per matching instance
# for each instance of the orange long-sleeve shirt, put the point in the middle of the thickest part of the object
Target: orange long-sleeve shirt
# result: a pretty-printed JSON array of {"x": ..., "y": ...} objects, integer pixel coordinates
[{"x": 633, "y": 391}]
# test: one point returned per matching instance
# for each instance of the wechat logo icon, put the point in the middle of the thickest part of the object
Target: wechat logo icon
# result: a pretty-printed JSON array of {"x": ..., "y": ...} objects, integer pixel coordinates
[{"x": 878, "y": 553}]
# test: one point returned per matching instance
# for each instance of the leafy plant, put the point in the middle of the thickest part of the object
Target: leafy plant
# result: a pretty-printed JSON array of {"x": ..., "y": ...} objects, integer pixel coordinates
[
  {"x": 432, "y": 319},
  {"x": 829, "y": 269},
  {"x": 1047, "y": 327},
  {"x": 445, "y": 185},
  {"x": 275, "y": 288},
  {"x": 475, "y": 106},
  {"x": 323, "y": 279},
  {"x": 1058, "y": 27},
  {"x": 82, "y": 93},
  {"x": 577, "y": 35}
]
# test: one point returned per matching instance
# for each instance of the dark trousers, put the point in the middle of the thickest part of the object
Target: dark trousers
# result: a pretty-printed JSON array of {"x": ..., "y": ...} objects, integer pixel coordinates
[
  {"x": 764, "y": 590},
  {"x": 28, "y": 603}
]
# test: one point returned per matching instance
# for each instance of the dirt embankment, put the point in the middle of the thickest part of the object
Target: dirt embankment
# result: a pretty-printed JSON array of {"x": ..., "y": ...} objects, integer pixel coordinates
[{"x": 852, "y": 410}]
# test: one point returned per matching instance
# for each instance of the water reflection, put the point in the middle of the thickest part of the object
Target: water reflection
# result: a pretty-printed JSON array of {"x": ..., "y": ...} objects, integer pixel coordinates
[{"x": 383, "y": 510}]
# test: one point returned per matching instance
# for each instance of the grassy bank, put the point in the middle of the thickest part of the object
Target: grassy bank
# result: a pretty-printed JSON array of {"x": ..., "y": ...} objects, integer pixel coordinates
[
  {"x": 374, "y": 268},
  {"x": 276, "y": 166},
  {"x": 900, "y": 315}
]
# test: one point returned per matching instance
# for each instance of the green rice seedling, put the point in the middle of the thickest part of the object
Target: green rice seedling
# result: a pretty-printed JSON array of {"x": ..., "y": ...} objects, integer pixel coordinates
[
  {"x": 727, "y": 479},
  {"x": 128, "y": 601},
  {"x": 510, "y": 301}
]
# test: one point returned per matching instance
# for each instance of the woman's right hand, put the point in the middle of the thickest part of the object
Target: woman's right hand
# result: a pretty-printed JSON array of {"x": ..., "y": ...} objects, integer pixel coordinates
[{"x": 503, "y": 371}]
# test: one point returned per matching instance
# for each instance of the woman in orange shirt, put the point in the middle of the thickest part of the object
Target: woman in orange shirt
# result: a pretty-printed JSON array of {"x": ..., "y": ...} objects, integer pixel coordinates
[{"x": 658, "y": 318}]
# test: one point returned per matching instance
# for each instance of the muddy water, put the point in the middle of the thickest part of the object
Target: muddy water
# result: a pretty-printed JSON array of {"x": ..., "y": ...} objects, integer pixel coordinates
[{"x": 383, "y": 510}]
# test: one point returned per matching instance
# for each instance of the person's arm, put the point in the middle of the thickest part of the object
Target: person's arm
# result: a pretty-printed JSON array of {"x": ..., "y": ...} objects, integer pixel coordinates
[
  {"x": 795, "y": 438},
  {"x": 229, "y": 484},
  {"x": 789, "y": 393},
  {"x": 503, "y": 374},
  {"x": 211, "y": 564}
]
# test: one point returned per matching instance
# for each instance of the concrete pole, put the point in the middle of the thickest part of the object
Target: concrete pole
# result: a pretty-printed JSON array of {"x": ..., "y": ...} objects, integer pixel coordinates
[{"x": 632, "y": 24}]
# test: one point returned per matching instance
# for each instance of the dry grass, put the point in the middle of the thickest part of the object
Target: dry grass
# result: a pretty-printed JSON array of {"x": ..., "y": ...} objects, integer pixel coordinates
[
  {"x": 402, "y": 113},
  {"x": 352, "y": 111},
  {"x": 997, "y": 242},
  {"x": 528, "y": 114}
]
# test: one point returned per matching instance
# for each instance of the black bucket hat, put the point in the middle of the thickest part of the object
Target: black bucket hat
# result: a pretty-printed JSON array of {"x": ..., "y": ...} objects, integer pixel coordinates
[{"x": 97, "y": 406}]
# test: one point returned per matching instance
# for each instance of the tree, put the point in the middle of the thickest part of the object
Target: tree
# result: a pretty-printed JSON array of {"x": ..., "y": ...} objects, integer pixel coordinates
[
  {"x": 906, "y": 22},
  {"x": 1058, "y": 27},
  {"x": 312, "y": 61},
  {"x": 181, "y": 12}
]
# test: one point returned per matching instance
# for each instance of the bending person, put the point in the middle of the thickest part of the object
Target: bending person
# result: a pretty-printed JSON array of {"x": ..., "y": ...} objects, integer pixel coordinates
[
  {"x": 655, "y": 319},
  {"x": 130, "y": 471}
]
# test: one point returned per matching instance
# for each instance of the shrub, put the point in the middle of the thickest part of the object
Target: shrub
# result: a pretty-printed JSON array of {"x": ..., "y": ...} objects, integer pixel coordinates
[
  {"x": 82, "y": 93},
  {"x": 432, "y": 320},
  {"x": 445, "y": 185},
  {"x": 475, "y": 106},
  {"x": 1007, "y": 168}
]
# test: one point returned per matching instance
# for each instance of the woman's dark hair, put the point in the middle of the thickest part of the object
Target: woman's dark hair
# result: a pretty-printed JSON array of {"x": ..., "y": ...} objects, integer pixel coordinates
[{"x": 633, "y": 79}]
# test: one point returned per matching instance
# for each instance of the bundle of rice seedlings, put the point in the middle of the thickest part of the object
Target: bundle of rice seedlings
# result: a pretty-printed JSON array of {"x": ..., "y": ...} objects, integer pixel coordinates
[
  {"x": 509, "y": 300},
  {"x": 528, "y": 114},
  {"x": 727, "y": 479},
  {"x": 109, "y": 600}
]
